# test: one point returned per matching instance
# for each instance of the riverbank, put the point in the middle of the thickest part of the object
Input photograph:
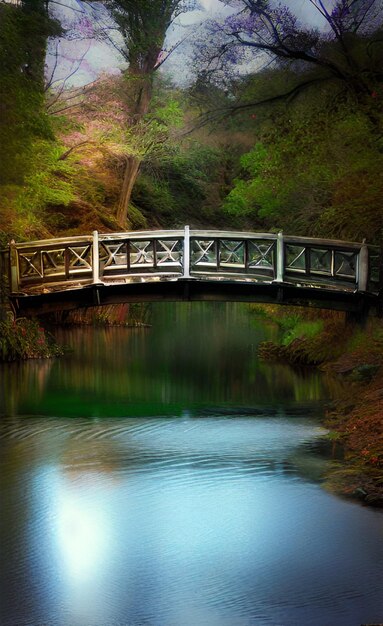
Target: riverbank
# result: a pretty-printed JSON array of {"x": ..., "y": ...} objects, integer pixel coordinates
[
  {"x": 355, "y": 418},
  {"x": 30, "y": 339},
  {"x": 26, "y": 339},
  {"x": 136, "y": 315}
]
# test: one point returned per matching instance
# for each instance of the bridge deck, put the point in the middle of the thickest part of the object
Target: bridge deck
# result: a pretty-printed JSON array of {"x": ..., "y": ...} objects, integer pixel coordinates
[{"x": 192, "y": 265}]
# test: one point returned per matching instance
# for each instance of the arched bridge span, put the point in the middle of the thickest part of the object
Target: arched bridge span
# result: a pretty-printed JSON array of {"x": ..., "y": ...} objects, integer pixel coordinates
[{"x": 184, "y": 264}]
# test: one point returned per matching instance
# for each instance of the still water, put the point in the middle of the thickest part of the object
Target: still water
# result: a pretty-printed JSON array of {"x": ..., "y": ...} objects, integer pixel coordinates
[{"x": 166, "y": 477}]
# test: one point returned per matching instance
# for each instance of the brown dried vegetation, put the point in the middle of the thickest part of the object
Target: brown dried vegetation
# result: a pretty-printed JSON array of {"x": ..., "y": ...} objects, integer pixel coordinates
[{"x": 355, "y": 418}]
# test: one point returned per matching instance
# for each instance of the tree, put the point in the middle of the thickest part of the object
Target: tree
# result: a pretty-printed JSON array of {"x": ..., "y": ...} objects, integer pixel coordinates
[
  {"x": 143, "y": 26},
  {"x": 314, "y": 170},
  {"x": 347, "y": 50},
  {"x": 24, "y": 31}
]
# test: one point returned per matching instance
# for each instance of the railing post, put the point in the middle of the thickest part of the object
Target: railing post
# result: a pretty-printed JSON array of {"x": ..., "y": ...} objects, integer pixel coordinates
[
  {"x": 14, "y": 274},
  {"x": 362, "y": 274},
  {"x": 280, "y": 259},
  {"x": 5, "y": 283},
  {"x": 95, "y": 258},
  {"x": 186, "y": 254}
]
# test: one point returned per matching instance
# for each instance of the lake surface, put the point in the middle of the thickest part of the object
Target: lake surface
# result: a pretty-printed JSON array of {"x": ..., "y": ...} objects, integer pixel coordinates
[{"x": 166, "y": 477}]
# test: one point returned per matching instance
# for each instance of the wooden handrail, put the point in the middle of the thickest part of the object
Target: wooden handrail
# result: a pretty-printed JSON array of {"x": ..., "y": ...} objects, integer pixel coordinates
[{"x": 187, "y": 253}]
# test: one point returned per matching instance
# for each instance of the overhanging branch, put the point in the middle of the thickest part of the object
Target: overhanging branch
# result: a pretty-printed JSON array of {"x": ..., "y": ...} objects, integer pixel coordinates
[{"x": 223, "y": 112}]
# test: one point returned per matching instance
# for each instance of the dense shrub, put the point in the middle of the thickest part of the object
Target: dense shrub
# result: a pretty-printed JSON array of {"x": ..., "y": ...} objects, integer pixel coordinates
[{"x": 26, "y": 339}]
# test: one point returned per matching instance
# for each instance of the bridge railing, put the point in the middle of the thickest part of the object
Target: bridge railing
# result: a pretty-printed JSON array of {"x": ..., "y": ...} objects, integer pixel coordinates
[
  {"x": 38, "y": 263},
  {"x": 185, "y": 253}
]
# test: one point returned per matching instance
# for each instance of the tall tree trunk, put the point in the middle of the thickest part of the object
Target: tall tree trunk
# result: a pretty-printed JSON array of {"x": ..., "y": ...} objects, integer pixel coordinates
[
  {"x": 141, "y": 87},
  {"x": 38, "y": 27},
  {"x": 143, "y": 26},
  {"x": 132, "y": 169},
  {"x": 24, "y": 30}
]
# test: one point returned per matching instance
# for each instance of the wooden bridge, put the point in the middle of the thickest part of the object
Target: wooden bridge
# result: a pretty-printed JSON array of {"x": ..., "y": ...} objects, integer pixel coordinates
[{"x": 184, "y": 264}]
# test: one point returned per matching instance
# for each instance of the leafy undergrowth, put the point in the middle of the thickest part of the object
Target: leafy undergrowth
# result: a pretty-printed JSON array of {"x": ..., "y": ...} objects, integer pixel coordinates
[
  {"x": 26, "y": 339},
  {"x": 307, "y": 337},
  {"x": 356, "y": 417}
]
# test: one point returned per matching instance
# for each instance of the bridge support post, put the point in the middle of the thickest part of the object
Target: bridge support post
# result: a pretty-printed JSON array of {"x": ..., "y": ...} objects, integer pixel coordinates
[
  {"x": 14, "y": 267},
  {"x": 186, "y": 254},
  {"x": 362, "y": 280},
  {"x": 359, "y": 317},
  {"x": 5, "y": 284},
  {"x": 379, "y": 308},
  {"x": 95, "y": 258},
  {"x": 280, "y": 259}
]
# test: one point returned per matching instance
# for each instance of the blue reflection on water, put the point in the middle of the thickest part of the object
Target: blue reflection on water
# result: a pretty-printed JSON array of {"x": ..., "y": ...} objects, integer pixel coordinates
[
  {"x": 196, "y": 521},
  {"x": 212, "y": 517}
]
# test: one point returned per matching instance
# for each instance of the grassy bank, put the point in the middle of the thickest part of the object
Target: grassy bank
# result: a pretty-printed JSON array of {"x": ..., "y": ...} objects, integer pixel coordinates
[{"x": 355, "y": 354}]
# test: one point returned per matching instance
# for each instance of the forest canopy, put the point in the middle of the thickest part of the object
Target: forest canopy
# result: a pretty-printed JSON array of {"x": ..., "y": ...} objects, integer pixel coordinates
[{"x": 280, "y": 128}]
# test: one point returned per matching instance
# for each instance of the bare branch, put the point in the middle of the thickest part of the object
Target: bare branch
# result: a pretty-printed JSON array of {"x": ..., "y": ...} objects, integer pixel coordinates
[
  {"x": 50, "y": 80},
  {"x": 72, "y": 106},
  {"x": 65, "y": 154},
  {"x": 223, "y": 112},
  {"x": 66, "y": 6},
  {"x": 177, "y": 45},
  {"x": 75, "y": 70}
]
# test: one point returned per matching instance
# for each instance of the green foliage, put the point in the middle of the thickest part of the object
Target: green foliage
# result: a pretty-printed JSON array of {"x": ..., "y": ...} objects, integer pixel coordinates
[
  {"x": 292, "y": 324},
  {"x": 183, "y": 186},
  {"x": 143, "y": 28},
  {"x": 259, "y": 192},
  {"x": 151, "y": 136},
  {"x": 151, "y": 195},
  {"x": 306, "y": 336},
  {"x": 296, "y": 328},
  {"x": 49, "y": 182},
  {"x": 170, "y": 114},
  {"x": 22, "y": 116},
  {"x": 314, "y": 169},
  {"x": 25, "y": 339}
]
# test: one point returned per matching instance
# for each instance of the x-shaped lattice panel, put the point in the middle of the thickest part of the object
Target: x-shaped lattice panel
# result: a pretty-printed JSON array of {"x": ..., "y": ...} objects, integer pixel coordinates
[
  {"x": 261, "y": 254},
  {"x": 80, "y": 257},
  {"x": 320, "y": 261},
  {"x": 58, "y": 262},
  {"x": 30, "y": 264},
  {"x": 53, "y": 262},
  {"x": 141, "y": 253},
  {"x": 204, "y": 252},
  {"x": 169, "y": 252},
  {"x": 232, "y": 253},
  {"x": 345, "y": 264},
  {"x": 295, "y": 258},
  {"x": 113, "y": 255}
]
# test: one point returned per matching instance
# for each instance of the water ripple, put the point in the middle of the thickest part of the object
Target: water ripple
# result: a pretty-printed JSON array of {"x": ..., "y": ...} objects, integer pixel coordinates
[{"x": 163, "y": 522}]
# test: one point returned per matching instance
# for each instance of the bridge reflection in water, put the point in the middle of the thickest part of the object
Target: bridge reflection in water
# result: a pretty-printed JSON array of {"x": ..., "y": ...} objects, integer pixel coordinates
[{"x": 186, "y": 264}]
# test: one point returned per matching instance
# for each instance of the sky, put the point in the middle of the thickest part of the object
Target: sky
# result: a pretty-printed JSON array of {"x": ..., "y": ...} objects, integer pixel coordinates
[{"x": 100, "y": 58}]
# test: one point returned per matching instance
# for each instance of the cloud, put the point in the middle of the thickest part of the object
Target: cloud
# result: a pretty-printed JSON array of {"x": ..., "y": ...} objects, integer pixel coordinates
[{"x": 211, "y": 5}]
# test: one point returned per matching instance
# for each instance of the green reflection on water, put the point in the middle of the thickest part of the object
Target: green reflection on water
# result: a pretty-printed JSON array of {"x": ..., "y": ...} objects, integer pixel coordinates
[{"x": 194, "y": 356}]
